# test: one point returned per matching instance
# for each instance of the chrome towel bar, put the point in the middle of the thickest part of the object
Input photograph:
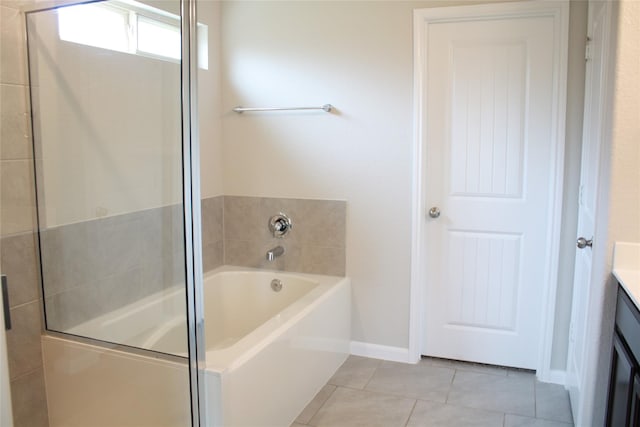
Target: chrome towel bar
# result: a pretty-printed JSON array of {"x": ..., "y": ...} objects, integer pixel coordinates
[{"x": 326, "y": 108}]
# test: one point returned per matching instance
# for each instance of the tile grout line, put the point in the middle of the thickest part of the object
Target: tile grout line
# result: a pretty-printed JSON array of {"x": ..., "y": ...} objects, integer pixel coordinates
[
  {"x": 373, "y": 374},
  {"x": 455, "y": 372},
  {"x": 27, "y": 373},
  {"x": 22, "y": 304},
  {"x": 535, "y": 400},
  {"x": 413, "y": 408},
  {"x": 321, "y": 406}
]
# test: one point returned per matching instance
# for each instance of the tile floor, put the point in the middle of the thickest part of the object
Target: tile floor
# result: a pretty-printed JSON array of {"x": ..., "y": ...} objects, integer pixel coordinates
[{"x": 435, "y": 392}]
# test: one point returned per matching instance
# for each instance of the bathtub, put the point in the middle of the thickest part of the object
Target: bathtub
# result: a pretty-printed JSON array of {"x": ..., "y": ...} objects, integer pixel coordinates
[{"x": 268, "y": 352}]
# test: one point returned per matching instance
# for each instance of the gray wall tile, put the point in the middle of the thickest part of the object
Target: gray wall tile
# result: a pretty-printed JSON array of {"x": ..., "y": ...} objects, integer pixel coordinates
[
  {"x": 323, "y": 223},
  {"x": 17, "y": 196},
  {"x": 68, "y": 257},
  {"x": 29, "y": 400},
  {"x": 322, "y": 260},
  {"x": 242, "y": 219},
  {"x": 72, "y": 307},
  {"x": 12, "y": 47},
  {"x": 93, "y": 267},
  {"x": 212, "y": 233},
  {"x": 119, "y": 242},
  {"x": 15, "y": 142},
  {"x": 23, "y": 339},
  {"x": 316, "y": 243},
  {"x": 212, "y": 215},
  {"x": 212, "y": 255},
  {"x": 239, "y": 252},
  {"x": 18, "y": 255}
]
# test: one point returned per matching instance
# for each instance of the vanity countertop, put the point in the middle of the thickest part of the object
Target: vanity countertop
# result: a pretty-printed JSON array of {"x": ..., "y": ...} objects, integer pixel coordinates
[{"x": 626, "y": 268}]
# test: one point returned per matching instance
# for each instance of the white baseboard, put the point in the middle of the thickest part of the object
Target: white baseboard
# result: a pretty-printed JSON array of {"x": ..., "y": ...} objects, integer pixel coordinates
[
  {"x": 555, "y": 376},
  {"x": 400, "y": 354},
  {"x": 377, "y": 351}
]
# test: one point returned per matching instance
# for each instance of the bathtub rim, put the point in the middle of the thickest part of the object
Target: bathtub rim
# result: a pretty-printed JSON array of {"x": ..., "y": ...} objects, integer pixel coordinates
[{"x": 327, "y": 285}]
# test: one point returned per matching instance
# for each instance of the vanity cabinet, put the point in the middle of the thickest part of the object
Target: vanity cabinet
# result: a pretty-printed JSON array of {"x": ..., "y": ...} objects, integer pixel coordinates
[{"x": 623, "y": 407}]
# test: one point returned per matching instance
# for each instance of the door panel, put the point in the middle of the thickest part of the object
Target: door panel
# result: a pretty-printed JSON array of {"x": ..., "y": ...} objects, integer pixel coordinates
[
  {"x": 487, "y": 142},
  {"x": 482, "y": 292},
  {"x": 489, "y": 150},
  {"x": 588, "y": 201}
]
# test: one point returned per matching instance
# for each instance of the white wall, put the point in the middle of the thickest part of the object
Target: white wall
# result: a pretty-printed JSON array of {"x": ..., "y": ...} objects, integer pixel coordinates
[
  {"x": 625, "y": 172},
  {"x": 356, "y": 55},
  {"x": 210, "y": 104}
]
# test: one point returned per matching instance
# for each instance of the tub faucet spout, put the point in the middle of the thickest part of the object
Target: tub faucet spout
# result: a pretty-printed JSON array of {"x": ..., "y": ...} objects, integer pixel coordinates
[{"x": 275, "y": 253}]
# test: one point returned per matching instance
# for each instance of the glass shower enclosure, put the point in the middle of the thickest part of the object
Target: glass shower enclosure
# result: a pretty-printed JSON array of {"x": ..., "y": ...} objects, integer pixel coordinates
[{"x": 115, "y": 143}]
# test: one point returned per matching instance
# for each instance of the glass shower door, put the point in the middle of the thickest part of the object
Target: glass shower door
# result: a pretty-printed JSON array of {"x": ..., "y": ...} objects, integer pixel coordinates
[{"x": 111, "y": 106}]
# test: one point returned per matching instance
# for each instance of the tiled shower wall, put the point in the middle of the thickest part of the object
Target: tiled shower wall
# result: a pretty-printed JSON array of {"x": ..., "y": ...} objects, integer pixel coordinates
[{"x": 18, "y": 256}]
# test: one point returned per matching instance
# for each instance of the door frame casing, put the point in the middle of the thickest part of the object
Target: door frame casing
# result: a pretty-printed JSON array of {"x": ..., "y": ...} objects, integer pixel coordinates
[{"x": 559, "y": 11}]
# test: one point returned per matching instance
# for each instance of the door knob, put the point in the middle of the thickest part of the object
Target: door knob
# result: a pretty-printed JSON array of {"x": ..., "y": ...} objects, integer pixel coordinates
[
  {"x": 434, "y": 212},
  {"x": 583, "y": 243}
]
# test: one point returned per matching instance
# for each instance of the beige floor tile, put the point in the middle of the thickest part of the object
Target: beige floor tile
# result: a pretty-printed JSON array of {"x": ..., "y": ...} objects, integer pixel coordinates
[
  {"x": 468, "y": 366},
  {"x": 512, "y": 395},
  {"x": 552, "y": 402},
  {"x": 349, "y": 407},
  {"x": 518, "y": 421},
  {"x": 317, "y": 402},
  {"x": 416, "y": 381},
  {"x": 522, "y": 373},
  {"x": 355, "y": 372},
  {"x": 433, "y": 414}
]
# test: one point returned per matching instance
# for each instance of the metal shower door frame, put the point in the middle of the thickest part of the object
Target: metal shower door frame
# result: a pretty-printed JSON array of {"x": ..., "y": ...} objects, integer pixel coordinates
[{"x": 192, "y": 218}]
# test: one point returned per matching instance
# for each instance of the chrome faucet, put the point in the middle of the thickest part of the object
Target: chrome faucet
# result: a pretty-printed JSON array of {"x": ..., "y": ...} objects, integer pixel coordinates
[{"x": 275, "y": 253}]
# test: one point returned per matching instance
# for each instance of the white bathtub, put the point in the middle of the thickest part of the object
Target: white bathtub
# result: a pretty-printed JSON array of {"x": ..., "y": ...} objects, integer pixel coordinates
[{"x": 268, "y": 352}]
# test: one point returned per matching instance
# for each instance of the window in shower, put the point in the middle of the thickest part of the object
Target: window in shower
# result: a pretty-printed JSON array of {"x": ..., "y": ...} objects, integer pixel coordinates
[
  {"x": 95, "y": 25},
  {"x": 124, "y": 27},
  {"x": 129, "y": 27}
]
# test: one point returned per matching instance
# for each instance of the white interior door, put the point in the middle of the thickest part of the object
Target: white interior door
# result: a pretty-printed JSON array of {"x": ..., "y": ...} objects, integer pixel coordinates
[
  {"x": 490, "y": 148},
  {"x": 589, "y": 177}
]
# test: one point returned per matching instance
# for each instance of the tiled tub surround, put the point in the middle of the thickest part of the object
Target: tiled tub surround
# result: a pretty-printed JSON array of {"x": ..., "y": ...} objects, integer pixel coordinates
[
  {"x": 316, "y": 243},
  {"x": 212, "y": 233},
  {"x": 94, "y": 267}
]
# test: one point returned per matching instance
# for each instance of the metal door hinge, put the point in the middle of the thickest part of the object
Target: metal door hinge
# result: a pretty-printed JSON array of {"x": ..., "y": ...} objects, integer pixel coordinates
[
  {"x": 5, "y": 303},
  {"x": 580, "y": 195},
  {"x": 587, "y": 50}
]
